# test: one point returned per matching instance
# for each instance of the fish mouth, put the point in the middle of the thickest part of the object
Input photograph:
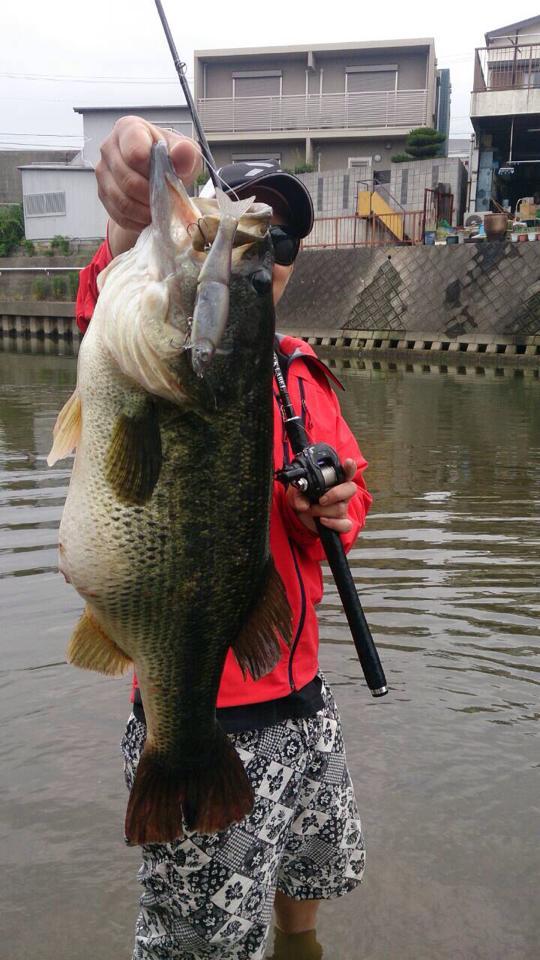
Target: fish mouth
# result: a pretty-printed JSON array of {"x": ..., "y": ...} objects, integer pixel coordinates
[{"x": 219, "y": 232}]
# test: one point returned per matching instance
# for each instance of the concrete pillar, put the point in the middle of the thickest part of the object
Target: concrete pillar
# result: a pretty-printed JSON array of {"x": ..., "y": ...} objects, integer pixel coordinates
[{"x": 309, "y": 150}]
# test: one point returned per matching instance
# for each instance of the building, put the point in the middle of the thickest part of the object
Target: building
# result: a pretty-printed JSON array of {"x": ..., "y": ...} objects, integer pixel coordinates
[
  {"x": 11, "y": 162},
  {"x": 442, "y": 117},
  {"x": 505, "y": 113},
  {"x": 61, "y": 198},
  {"x": 328, "y": 106}
]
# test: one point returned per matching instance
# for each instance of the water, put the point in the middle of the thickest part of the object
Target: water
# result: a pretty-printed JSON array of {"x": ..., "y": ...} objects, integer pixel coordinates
[{"x": 446, "y": 766}]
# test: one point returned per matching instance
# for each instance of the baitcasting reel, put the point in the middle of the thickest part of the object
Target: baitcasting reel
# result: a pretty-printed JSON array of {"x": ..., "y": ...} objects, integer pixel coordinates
[{"x": 313, "y": 471}]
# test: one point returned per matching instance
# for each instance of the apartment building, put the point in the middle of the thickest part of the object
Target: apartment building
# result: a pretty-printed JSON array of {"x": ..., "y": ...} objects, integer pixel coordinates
[
  {"x": 505, "y": 113},
  {"x": 333, "y": 106}
]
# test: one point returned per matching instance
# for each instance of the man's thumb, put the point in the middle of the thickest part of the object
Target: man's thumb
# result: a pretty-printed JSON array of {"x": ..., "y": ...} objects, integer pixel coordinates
[{"x": 185, "y": 156}]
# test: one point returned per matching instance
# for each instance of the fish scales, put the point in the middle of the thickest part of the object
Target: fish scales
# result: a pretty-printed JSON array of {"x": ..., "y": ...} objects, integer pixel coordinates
[{"x": 165, "y": 531}]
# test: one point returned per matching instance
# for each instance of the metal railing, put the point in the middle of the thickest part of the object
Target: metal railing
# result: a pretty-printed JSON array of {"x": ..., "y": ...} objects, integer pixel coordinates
[
  {"x": 382, "y": 108},
  {"x": 516, "y": 67},
  {"x": 335, "y": 232}
]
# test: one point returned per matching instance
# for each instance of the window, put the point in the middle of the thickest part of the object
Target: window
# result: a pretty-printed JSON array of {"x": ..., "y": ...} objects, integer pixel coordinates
[
  {"x": 372, "y": 78},
  {"x": 257, "y": 83},
  {"x": 359, "y": 162},
  {"x": 45, "y": 205}
]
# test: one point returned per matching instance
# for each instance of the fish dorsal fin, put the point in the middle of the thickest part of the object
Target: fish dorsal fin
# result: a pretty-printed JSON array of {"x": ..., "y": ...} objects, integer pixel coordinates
[
  {"x": 67, "y": 429},
  {"x": 257, "y": 646},
  {"x": 232, "y": 208}
]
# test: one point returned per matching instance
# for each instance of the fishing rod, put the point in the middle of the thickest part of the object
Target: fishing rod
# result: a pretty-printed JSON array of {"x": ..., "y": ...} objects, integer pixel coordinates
[
  {"x": 180, "y": 68},
  {"x": 316, "y": 467}
]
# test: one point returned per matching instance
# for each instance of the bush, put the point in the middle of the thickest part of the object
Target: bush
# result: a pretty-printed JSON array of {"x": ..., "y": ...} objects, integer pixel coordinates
[
  {"x": 421, "y": 144},
  {"x": 73, "y": 284},
  {"x": 41, "y": 288},
  {"x": 61, "y": 244},
  {"x": 304, "y": 168},
  {"x": 11, "y": 228},
  {"x": 59, "y": 288},
  {"x": 29, "y": 247}
]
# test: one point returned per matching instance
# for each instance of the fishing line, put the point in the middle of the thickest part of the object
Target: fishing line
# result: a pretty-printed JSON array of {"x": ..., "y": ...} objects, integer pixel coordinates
[{"x": 313, "y": 463}]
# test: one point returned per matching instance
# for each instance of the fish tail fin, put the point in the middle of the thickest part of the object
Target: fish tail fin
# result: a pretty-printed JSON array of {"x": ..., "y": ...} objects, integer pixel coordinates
[
  {"x": 207, "y": 797},
  {"x": 232, "y": 208}
]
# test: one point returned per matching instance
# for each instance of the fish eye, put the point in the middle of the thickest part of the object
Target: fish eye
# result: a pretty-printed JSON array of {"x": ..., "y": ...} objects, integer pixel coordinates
[{"x": 261, "y": 281}]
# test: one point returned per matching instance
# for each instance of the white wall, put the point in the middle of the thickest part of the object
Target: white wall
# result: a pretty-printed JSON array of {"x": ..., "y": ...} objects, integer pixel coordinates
[
  {"x": 505, "y": 103},
  {"x": 84, "y": 217},
  {"x": 98, "y": 124}
]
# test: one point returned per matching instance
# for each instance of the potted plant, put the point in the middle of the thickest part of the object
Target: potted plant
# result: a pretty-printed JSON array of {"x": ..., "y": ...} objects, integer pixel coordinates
[{"x": 520, "y": 230}]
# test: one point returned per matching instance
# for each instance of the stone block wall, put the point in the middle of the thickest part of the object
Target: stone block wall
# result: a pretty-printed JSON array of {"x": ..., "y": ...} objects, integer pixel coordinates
[{"x": 334, "y": 192}]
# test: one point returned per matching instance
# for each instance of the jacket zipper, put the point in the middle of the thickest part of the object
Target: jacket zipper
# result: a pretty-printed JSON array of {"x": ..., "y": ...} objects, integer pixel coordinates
[{"x": 302, "y": 615}]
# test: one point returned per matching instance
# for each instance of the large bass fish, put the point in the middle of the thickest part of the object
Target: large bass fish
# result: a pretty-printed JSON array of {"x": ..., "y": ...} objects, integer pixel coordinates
[{"x": 165, "y": 531}]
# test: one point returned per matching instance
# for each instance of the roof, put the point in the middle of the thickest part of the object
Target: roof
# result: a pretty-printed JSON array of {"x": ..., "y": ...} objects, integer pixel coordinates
[
  {"x": 316, "y": 48},
  {"x": 512, "y": 28},
  {"x": 130, "y": 107},
  {"x": 56, "y": 166}
]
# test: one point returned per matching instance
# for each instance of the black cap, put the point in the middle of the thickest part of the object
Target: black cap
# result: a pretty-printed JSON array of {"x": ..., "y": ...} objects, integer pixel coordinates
[{"x": 242, "y": 175}]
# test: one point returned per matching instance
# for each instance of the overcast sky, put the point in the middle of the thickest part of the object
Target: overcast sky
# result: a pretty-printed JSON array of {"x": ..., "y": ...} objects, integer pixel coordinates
[{"x": 64, "y": 53}]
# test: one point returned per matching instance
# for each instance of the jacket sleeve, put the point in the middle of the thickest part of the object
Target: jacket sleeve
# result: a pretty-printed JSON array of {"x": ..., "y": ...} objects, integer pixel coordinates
[
  {"x": 325, "y": 423},
  {"x": 87, "y": 292}
]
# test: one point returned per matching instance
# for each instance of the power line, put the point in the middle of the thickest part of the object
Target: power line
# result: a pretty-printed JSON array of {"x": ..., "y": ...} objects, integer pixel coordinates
[
  {"x": 62, "y": 78},
  {"x": 20, "y": 133}
]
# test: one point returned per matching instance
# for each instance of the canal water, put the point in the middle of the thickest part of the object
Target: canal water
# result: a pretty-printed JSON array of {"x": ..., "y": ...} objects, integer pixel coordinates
[{"x": 446, "y": 767}]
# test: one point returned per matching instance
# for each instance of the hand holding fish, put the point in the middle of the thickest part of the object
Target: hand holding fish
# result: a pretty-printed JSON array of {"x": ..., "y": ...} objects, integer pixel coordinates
[
  {"x": 123, "y": 175},
  {"x": 332, "y": 509}
]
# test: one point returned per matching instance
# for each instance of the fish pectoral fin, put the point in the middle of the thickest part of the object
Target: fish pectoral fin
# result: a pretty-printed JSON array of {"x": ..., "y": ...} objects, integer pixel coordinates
[
  {"x": 91, "y": 649},
  {"x": 257, "y": 646},
  {"x": 67, "y": 429},
  {"x": 133, "y": 462}
]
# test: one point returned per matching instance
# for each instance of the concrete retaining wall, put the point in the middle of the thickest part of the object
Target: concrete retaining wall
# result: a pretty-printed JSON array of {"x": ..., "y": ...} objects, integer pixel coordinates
[{"x": 491, "y": 289}]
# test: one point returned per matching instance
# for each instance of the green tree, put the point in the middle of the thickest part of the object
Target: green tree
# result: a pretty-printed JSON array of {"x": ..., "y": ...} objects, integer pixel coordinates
[
  {"x": 421, "y": 144},
  {"x": 11, "y": 228}
]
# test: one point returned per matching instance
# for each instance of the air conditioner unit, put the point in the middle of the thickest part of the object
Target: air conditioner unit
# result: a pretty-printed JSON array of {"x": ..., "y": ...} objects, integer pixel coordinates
[{"x": 475, "y": 218}]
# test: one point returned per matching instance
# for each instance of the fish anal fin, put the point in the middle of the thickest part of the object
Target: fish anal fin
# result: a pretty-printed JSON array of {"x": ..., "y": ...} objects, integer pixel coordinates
[
  {"x": 134, "y": 456},
  {"x": 91, "y": 649},
  {"x": 206, "y": 797},
  {"x": 257, "y": 647},
  {"x": 67, "y": 429}
]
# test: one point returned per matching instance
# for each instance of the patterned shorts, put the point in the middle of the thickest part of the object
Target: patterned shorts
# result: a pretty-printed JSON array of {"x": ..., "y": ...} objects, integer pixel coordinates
[{"x": 211, "y": 895}]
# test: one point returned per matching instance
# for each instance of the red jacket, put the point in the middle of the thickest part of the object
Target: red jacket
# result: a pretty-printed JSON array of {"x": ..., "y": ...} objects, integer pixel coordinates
[{"x": 296, "y": 551}]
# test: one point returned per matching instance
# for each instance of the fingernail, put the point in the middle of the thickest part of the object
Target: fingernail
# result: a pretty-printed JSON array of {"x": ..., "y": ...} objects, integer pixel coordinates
[{"x": 323, "y": 500}]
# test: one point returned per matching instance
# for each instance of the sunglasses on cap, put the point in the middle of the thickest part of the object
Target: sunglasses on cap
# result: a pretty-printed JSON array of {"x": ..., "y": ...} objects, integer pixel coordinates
[{"x": 286, "y": 245}]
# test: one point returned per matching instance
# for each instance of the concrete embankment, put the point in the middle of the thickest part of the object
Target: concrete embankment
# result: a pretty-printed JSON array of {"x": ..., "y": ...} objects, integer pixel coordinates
[
  {"x": 468, "y": 302},
  {"x": 472, "y": 298}
]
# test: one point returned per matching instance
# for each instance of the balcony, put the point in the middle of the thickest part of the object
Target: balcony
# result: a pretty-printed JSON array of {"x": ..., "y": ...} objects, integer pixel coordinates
[
  {"x": 382, "y": 110},
  {"x": 507, "y": 68},
  {"x": 506, "y": 81}
]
